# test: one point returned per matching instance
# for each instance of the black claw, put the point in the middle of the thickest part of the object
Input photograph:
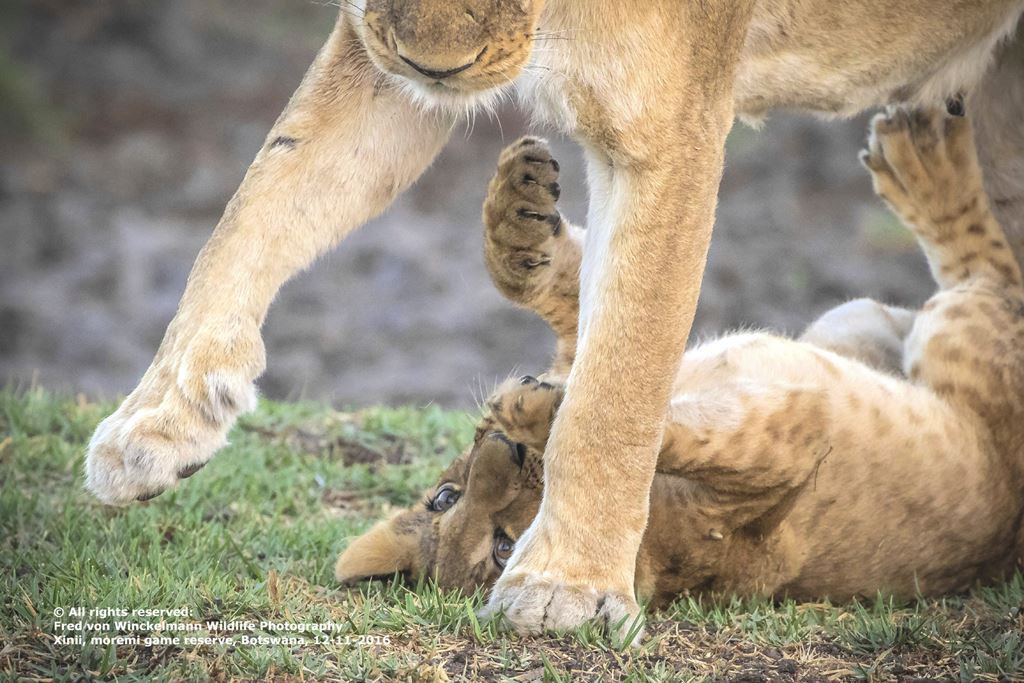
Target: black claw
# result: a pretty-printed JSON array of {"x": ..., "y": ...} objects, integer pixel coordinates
[
  {"x": 189, "y": 470},
  {"x": 554, "y": 165},
  {"x": 532, "y": 263},
  {"x": 527, "y": 379},
  {"x": 555, "y": 221},
  {"x": 556, "y": 190},
  {"x": 148, "y": 496},
  {"x": 955, "y": 105},
  {"x": 533, "y": 215}
]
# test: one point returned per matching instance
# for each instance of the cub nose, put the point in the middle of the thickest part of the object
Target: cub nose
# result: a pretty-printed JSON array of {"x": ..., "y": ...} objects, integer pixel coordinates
[{"x": 436, "y": 75}]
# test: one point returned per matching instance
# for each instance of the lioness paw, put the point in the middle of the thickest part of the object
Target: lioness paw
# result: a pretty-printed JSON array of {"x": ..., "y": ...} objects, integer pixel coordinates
[
  {"x": 176, "y": 419},
  {"x": 521, "y": 221},
  {"x": 537, "y": 601}
]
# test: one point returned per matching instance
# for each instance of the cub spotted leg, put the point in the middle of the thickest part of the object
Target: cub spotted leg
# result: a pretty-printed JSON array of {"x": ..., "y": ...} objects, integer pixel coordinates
[
  {"x": 532, "y": 253},
  {"x": 925, "y": 167},
  {"x": 709, "y": 435},
  {"x": 966, "y": 342},
  {"x": 308, "y": 187}
]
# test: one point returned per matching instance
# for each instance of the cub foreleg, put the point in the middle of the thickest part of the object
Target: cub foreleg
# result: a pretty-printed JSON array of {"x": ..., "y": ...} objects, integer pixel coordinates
[{"x": 532, "y": 253}]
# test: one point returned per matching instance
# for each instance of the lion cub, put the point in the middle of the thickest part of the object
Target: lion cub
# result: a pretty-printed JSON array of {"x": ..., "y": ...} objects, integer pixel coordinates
[{"x": 882, "y": 451}]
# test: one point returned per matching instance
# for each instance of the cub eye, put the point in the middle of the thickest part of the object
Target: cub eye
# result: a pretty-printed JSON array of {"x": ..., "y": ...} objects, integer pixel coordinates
[
  {"x": 503, "y": 547},
  {"x": 445, "y": 498}
]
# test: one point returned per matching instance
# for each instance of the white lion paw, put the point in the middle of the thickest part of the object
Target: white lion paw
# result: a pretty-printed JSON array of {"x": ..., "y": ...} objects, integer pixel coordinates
[
  {"x": 174, "y": 422},
  {"x": 541, "y": 590},
  {"x": 536, "y": 603}
]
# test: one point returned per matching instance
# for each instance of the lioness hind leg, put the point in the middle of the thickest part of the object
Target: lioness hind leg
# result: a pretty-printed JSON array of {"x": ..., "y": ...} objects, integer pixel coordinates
[
  {"x": 996, "y": 108},
  {"x": 532, "y": 253}
]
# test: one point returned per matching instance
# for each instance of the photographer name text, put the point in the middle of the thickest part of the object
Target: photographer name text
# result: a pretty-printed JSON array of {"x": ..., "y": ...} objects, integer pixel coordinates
[{"x": 105, "y": 626}]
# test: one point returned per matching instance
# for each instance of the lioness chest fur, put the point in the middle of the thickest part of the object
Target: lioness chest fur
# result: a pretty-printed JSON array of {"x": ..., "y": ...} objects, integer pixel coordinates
[{"x": 833, "y": 58}]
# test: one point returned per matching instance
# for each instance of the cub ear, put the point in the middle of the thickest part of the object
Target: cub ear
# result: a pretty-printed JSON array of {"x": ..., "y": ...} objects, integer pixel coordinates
[{"x": 380, "y": 552}]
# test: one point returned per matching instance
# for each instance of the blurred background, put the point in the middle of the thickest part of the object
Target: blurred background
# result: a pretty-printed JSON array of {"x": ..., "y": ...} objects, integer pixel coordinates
[{"x": 125, "y": 126}]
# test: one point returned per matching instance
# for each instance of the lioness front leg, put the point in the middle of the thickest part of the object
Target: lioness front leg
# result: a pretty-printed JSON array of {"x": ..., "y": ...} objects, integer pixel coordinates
[
  {"x": 652, "y": 209},
  {"x": 346, "y": 145},
  {"x": 532, "y": 253}
]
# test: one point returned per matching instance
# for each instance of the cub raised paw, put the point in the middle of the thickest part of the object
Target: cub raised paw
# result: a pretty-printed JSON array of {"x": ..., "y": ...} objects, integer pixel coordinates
[
  {"x": 532, "y": 253},
  {"x": 521, "y": 221},
  {"x": 524, "y": 408}
]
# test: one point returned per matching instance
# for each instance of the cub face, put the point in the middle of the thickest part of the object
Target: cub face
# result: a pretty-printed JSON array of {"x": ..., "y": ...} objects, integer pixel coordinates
[
  {"x": 463, "y": 532},
  {"x": 448, "y": 52}
]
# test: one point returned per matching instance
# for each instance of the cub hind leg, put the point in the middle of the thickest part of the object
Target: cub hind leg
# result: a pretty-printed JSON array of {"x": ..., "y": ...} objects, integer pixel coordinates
[
  {"x": 924, "y": 165},
  {"x": 967, "y": 343}
]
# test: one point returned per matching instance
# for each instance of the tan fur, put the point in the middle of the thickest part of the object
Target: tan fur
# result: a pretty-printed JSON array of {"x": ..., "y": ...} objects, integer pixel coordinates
[
  {"x": 650, "y": 88},
  {"x": 882, "y": 451}
]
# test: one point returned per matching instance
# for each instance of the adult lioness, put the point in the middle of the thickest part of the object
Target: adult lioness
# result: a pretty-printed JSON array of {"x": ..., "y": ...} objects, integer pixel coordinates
[
  {"x": 882, "y": 451},
  {"x": 650, "y": 88}
]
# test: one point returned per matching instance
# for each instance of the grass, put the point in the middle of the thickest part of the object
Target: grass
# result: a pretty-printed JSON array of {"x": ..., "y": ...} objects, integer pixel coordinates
[{"x": 253, "y": 537}]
